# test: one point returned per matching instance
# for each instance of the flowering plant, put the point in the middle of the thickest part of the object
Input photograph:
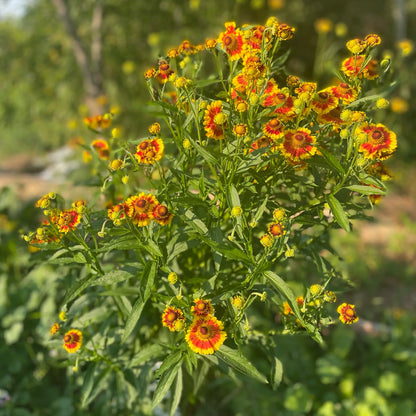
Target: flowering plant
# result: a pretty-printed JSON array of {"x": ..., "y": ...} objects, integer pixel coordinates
[{"x": 190, "y": 263}]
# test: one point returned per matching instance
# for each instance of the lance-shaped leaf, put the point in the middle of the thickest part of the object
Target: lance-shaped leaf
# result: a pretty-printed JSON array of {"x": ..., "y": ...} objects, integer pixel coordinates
[
  {"x": 276, "y": 373},
  {"x": 339, "y": 214},
  {"x": 164, "y": 383},
  {"x": 147, "y": 280},
  {"x": 366, "y": 190},
  {"x": 239, "y": 363}
]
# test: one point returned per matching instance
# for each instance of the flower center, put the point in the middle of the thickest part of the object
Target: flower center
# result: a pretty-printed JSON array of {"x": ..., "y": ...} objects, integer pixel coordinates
[
  {"x": 201, "y": 306},
  {"x": 143, "y": 145},
  {"x": 171, "y": 316},
  {"x": 141, "y": 204},
  {"x": 220, "y": 118},
  {"x": 162, "y": 211},
  {"x": 323, "y": 95},
  {"x": 229, "y": 41},
  {"x": 275, "y": 123},
  {"x": 377, "y": 136},
  {"x": 281, "y": 96},
  {"x": 262, "y": 142},
  {"x": 164, "y": 67},
  {"x": 204, "y": 331}
]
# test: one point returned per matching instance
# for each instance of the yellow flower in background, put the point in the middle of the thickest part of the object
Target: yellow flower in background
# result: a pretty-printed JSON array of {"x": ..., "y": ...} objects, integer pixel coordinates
[
  {"x": 399, "y": 105},
  {"x": 128, "y": 67},
  {"x": 323, "y": 25},
  {"x": 194, "y": 4},
  {"x": 72, "y": 124},
  {"x": 405, "y": 47},
  {"x": 341, "y": 29},
  {"x": 153, "y": 39},
  {"x": 276, "y": 4}
]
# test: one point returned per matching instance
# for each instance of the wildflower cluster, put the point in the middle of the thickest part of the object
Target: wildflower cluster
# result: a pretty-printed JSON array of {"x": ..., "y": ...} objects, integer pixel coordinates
[
  {"x": 140, "y": 210},
  {"x": 311, "y": 305},
  {"x": 256, "y": 166},
  {"x": 59, "y": 221}
]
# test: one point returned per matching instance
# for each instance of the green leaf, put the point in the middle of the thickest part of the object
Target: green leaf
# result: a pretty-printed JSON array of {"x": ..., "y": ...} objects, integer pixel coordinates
[
  {"x": 276, "y": 374},
  {"x": 231, "y": 253},
  {"x": 134, "y": 316},
  {"x": 332, "y": 161},
  {"x": 79, "y": 257},
  {"x": 77, "y": 288},
  {"x": 213, "y": 160},
  {"x": 338, "y": 212},
  {"x": 146, "y": 353},
  {"x": 151, "y": 247},
  {"x": 121, "y": 291},
  {"x": 261, "y": 209},
  {"x": 234, "y": 199},
  {"x": 239, "y": 363},
  {"x": 164, "y": 383},
  {"x": 114, "y": 276},
  {"x": 196, "y": 223},
  {"x": 148, "y": 278},
  {"x": 93, "y": 386},
  {"x": 88, "y": 383},
  {"x": 179, "y": 248},
  {"x": 366, "y": 190},
  {"x": 168, "y": 362},
  {"x": 177, "y": 392},
  {"x": 121, "y": 243}
]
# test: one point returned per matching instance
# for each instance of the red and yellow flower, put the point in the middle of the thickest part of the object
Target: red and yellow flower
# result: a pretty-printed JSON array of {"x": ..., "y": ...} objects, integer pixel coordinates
[
  {"x": 164, "y": 71},
  {"x": 276, "y": 229},
  {"x": 150, "y": 150},
  {"x": 324, "y": 102},
  {"x": 67, "y": 220},
  {"x": 99, "y": 122},
  {"x": 54, "y": 328},
  {"x": 202, "y": 308},
  {"x": 347, "y": 313},
  {"x": 116, "y": 214},
  {"x": 354, "y": 67},
  {"x": 161, "y": 214},
  {"x": 273, "y": 129},
  {"x": 215, "y": 120},
  {"x": 298, "y": 144},
  {"x": 240, "y": 130},
  {"x": 73, "y": 340},
  {"x": 205, "y": 335},
  {"x": 139, "y": 208},
  {"x": 173, "y": 319},
  {"x": 102, "y": 148},
  {"x": 232, "y": 41},
  {"x": 345, "y": 92},
  {"x": 380, "y": 142}
]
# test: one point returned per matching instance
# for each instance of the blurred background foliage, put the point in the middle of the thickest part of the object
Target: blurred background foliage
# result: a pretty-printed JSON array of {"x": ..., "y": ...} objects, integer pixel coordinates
[{"x": 366, "y": 371}]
